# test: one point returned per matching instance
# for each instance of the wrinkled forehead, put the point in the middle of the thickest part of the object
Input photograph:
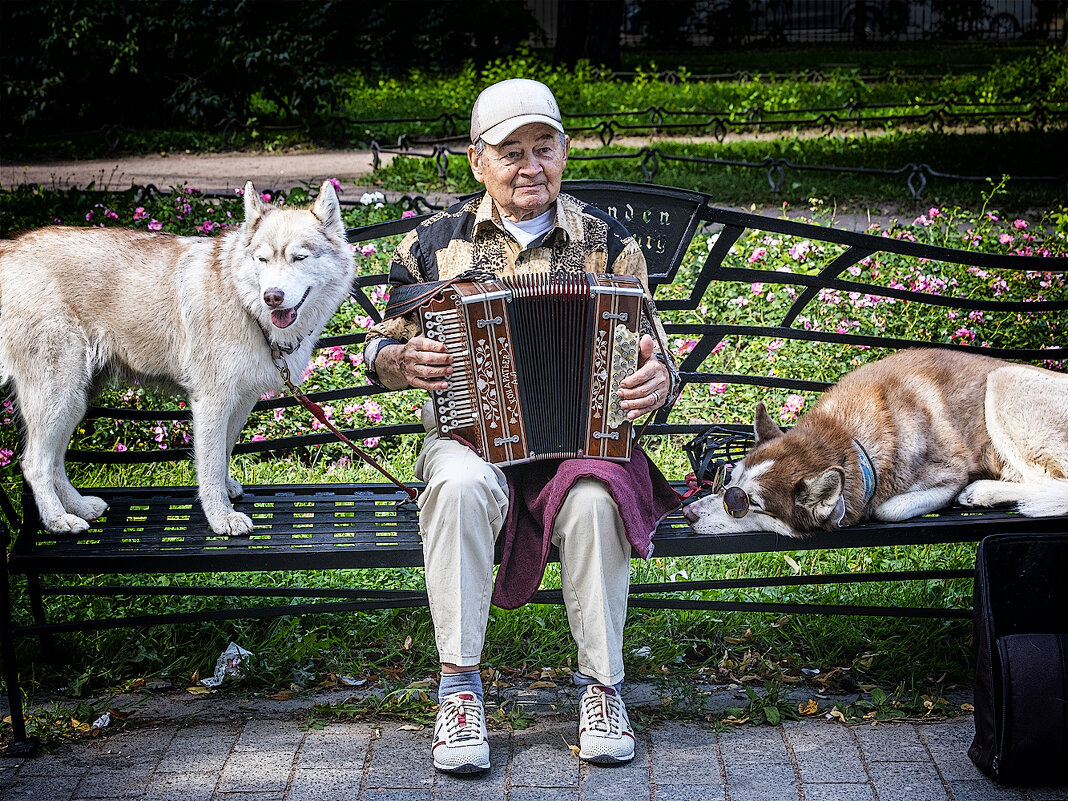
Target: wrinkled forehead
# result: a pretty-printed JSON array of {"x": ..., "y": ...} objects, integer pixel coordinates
[{"x": 530, "y": 134}]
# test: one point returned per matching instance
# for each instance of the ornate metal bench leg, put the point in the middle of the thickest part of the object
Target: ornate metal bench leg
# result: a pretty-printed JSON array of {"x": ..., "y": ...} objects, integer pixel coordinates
[
  {"x": 48, "y": 644},
  {"x": 20, "y": 745}
]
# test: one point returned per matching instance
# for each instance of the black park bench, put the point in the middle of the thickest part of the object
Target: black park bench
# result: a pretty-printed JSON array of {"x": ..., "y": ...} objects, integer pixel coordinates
[{"x": 161, "y": 530}]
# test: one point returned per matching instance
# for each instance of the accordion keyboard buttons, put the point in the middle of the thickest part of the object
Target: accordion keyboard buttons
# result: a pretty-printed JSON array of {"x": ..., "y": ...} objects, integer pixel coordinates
[{"x": 454, "y": 405}]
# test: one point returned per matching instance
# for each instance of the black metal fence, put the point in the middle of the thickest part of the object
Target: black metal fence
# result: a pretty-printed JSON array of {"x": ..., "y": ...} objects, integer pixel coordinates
[{"x": 739, "y": 22}]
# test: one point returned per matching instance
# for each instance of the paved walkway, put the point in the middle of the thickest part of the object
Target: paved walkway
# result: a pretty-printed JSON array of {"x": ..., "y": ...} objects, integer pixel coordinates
[{"x": 227, "y": 747}]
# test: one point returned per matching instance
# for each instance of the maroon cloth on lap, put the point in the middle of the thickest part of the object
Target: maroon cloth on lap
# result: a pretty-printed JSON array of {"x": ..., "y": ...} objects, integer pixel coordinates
[{"x": 536, "y": 492}]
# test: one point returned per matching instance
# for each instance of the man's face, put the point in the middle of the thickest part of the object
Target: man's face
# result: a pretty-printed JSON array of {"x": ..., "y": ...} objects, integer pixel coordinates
[{"x": 522, "y": 174}]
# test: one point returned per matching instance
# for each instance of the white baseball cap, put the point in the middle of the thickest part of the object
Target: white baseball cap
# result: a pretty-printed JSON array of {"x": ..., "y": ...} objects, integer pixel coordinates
[{"x": 511, "y": 104}]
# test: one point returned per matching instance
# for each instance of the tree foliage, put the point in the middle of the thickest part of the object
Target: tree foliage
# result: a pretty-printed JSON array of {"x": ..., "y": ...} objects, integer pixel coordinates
[{"x": 83, "y": 64}]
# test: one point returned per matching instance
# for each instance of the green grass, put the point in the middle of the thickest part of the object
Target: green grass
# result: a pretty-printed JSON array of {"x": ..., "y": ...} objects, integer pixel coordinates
[{"x": 875, "y": 58}]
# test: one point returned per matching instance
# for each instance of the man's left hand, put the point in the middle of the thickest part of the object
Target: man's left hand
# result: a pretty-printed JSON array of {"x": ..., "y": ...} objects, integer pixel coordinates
[{"x": 647, "y": 389}]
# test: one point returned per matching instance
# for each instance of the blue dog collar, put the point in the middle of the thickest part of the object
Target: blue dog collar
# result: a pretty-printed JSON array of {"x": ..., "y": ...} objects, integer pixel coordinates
[{"x": 867, "y": 472}]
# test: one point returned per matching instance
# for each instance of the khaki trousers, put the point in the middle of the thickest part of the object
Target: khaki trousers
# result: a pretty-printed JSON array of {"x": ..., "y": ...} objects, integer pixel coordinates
[{"x": 462, "y": 512}]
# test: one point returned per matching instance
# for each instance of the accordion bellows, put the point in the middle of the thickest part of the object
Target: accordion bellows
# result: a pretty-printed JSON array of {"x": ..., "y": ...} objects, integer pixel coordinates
[{"x": 537, "y": 364}]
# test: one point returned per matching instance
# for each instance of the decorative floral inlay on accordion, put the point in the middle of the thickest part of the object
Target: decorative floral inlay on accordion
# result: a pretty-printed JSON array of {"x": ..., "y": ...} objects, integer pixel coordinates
[{"x": 537, "y": 363}]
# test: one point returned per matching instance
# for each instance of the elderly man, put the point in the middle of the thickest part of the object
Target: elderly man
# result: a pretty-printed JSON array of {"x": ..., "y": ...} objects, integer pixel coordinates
[{"x": 593, "y": 510}]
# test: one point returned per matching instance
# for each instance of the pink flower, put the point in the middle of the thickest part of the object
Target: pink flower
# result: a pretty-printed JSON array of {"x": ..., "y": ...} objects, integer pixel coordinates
[
  {"x": 120, "y": 447},
  {"x": 371, "y": 442},
  {"x": 207, "y": 226},
  {"x": 717, "y": 389},
  {"x": 757, "y": 287},
  {"x": 775, "y": 345},
  {"x": 140, "y": 213},
  {"x": 373, "y": 411},
  {"x": 258, "y": 438},
  {"x": 407, "y": 214},
  {"x": 155, "y": 225},
  {"x": 684, "y": 345},
  {"x": 336, "y": 184},
  {"x": 933, "y": 213},
  {"x": 5, "y": 456},
  {"x": 368, "y": 250},
  {"x": 1019, "y": 224},
  {"x": 758, "y": 255},
  {"x": 265, "y": 196},
  {"x": 1005, "y": 239},
  {"x": 278, "y": 414},
  {"x": 791, "y": 408}
]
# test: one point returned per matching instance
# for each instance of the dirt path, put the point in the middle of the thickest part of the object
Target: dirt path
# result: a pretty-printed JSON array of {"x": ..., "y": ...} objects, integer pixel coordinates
[{"x": 221, "y": 172}]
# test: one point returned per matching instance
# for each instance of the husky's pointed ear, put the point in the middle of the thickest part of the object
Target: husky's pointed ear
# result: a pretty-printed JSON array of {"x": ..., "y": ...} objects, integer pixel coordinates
[
  {"x": 821, "y": 494},
  {"x": 763, "y": 426},
  {"x": 327, "y": 209},
  {"x": 254, "y": 205}
]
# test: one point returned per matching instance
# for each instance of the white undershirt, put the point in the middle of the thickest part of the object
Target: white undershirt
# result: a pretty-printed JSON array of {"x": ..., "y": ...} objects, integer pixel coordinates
[{"x": 526, "y": 231}]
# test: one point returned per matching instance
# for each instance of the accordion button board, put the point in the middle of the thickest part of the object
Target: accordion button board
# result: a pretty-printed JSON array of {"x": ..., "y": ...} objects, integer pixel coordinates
[{"x": 537, "y": 364}]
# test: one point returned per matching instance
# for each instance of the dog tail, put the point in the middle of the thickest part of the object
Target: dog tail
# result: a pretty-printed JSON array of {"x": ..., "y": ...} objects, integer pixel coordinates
[{"x": 1049, "y": 499}]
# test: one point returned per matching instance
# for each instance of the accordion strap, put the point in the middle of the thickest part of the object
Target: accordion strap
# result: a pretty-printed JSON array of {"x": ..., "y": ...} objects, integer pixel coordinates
[{"x": 406, "y": 298}]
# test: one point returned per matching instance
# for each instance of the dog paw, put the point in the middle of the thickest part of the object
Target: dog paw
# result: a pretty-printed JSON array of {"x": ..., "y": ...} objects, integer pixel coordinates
[
  {"x": 237, "y": 525},
  {"x": 89, "y": 507},
  {"x": 234, "y": 488},
  {"x": 989, "y": 493},
  {"x": 67, "y": 524}
]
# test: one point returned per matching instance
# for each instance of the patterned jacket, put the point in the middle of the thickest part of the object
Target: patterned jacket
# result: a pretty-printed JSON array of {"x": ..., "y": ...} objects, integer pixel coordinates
[{"x": 469, "y": 235}]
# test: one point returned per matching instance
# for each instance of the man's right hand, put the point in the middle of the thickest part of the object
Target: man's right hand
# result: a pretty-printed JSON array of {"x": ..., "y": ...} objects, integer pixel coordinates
[{"x": 420, "y": 362}]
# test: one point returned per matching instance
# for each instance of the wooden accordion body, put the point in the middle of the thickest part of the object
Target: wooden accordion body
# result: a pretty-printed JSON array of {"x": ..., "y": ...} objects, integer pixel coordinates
[{"x": 537, "y": 363}]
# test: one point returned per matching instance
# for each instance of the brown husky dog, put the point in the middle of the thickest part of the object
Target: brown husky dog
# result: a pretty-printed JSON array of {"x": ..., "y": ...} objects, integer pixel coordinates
[
  {"x": 213, "y": 317},
  {"x": 902, "y": 437}
]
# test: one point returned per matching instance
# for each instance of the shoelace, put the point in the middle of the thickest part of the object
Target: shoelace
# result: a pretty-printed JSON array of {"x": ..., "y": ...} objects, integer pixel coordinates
[
  {"x": 463, "y": 720},
  {"x": 603, "y": 713}
]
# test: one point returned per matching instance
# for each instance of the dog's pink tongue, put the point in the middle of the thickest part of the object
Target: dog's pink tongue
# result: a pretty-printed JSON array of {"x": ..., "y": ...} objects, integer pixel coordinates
[{"x": 283, "y": 318}]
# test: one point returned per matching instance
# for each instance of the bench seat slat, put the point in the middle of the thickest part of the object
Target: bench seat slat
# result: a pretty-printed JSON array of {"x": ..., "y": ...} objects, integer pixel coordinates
[{"x": 346, "y": 526}]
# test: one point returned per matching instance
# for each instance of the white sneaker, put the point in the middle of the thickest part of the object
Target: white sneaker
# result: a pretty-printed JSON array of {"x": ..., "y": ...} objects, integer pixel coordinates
[
  {"x": 461, "y": 744},
  {"x": 605, "y": 735}
]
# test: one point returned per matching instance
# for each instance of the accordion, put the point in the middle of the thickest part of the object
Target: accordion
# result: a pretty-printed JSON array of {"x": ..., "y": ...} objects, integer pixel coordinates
[{"x": 537, "y": 363}]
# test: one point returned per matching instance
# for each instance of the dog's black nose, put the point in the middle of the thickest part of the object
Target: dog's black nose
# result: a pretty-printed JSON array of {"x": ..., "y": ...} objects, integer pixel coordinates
[{"x": 274, "y": 297}]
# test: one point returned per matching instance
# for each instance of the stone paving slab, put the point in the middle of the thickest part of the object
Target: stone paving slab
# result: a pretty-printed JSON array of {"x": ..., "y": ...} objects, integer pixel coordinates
[{"x": 239, "y": 749}]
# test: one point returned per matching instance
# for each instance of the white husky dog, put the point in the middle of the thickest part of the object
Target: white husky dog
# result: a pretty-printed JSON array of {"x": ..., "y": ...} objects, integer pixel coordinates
[
  {"x": 78, "y": 305},
  {"x": 902, "y": 437}
]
